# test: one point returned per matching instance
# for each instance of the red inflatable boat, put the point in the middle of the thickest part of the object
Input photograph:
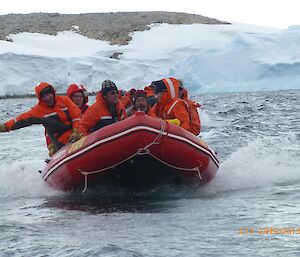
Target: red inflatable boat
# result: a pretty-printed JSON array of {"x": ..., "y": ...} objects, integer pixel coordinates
[{"x": 139, "y": 153}]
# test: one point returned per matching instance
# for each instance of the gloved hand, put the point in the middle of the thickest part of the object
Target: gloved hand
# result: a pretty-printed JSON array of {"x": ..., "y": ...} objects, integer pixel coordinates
[
  {"x": 75, "y": 136},
  {"x": 3, "y": 128},
  {"x": 52, "y": 149},
  {"x": 174, "y": 121}
]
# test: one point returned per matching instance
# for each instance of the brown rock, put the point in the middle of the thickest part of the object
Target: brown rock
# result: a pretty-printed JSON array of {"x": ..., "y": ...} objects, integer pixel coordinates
[{"x": 113, "y": 27}]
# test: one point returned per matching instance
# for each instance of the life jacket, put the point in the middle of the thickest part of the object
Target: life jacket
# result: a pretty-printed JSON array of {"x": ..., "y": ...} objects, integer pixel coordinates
[
  {"x": 172, "y": 107},
  {"x": 58, "y": 119},
  {"x": 195, "y": 122},
  {"x": 99, "y": 115}
]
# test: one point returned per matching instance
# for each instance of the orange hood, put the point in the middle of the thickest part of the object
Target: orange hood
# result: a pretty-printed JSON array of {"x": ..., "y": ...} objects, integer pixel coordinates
[
  {"x": 172, "y": 86},
  {"x": 40, "y": 87},
  {"x": 74, "y": 88}
]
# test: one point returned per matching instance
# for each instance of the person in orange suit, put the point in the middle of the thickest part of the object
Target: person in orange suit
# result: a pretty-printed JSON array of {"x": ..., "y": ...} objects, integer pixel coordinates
[
  {"x": 150, "y": 92},
  {"x": 105, "y": 111},
  {"x": 127, "y": 99},
  {"x": 58, "y": 114},
  {"x": 195, "y": 122},
  {"x": 169, "y": 106},
  {"x": 140, "y": 103},
  {"x": 79, "y": 95}
]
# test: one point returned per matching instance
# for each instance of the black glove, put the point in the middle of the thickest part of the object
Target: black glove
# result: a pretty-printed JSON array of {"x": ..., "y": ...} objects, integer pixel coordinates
[{"x": 3, "y": 128}]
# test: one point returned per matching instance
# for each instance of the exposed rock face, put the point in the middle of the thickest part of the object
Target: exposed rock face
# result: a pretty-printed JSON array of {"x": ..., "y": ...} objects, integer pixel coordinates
[{"x": 112, "y": 27}]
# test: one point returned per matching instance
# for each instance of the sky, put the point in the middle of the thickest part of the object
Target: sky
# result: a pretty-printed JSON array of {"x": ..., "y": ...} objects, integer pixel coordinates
[{"x": 270, "y": 13}]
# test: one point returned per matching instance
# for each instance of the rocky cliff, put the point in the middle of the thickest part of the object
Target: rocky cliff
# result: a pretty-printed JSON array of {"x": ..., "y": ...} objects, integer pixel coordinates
[{"x": 113, "y": 27}]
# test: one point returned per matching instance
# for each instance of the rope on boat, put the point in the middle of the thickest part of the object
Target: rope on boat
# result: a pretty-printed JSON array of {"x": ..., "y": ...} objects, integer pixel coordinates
[
  {"x": 156, "y": 141},
  {"x": 84, "y": 173},
  {"x": 179, "y": 168},
  {"x": 165, "y": 129},
  {"x": 199, "y": 174},
  {"x": 142, "y": 151},
  {"x": 85, "y": 180}
]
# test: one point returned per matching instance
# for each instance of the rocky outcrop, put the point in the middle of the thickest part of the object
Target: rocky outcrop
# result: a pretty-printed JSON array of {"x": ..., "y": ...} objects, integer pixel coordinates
[{"x": 113, "y": 27}]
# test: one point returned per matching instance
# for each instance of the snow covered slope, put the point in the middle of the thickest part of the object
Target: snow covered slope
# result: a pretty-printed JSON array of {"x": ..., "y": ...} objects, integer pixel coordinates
[{"x": 209, "y": 58}]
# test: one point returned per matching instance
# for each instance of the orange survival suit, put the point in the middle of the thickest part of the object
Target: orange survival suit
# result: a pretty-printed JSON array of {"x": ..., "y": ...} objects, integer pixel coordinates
[
  {"x": 195, "y": 122},
  {"x": 170, "y": 106},
  {"x": 98, "y": 115},
  {"x": 59, "y": 120}
]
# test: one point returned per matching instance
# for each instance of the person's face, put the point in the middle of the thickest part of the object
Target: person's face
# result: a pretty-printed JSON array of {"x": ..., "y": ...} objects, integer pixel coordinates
[
  {"x": 180, "y": 92},
  {"x": 112, "y": 97},
  {"x": 48, "y": 99},
  {"x": 78, "y": 99},
  {"x": 141, "y": 104}
]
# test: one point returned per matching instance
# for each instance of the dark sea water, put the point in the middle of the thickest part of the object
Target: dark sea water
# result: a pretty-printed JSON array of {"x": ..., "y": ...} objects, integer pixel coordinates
[{"x": 251, "y": 208}]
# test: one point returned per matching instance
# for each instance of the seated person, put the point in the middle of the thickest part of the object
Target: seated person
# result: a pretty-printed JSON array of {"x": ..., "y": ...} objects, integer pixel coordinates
[
  {"x": 150, "y": 92},
  {"x": 79, "y": 95},
  {"x": 105, "y": 111},
  {"x": 58, "y": 114},
  {"x": 140, "y": 103},
  {"x": 169, "y": 106},
  {"x": 127, "y": 99},
  {"x": 192, "y": 106}
]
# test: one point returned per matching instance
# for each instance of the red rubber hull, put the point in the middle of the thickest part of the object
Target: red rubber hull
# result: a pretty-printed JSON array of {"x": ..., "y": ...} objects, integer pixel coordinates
[{"x": 136, "y": 152}]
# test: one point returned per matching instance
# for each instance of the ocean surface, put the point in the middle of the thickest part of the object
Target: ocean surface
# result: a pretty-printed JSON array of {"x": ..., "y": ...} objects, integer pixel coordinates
[{"x": 251, "y": 208}]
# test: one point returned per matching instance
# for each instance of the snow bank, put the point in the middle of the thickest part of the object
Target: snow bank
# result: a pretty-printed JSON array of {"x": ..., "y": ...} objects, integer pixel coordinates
[{"x": 209, "y": 58}]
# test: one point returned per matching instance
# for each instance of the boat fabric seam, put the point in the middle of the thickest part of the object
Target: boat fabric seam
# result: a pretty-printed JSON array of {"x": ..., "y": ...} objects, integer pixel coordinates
[{"x": 121, "y": 134}]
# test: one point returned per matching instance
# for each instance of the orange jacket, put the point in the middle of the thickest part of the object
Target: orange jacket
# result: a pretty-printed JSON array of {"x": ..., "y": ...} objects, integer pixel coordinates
[
  {"x": 82, "y": 110},
  {"x": 98, "y": 115},
  {"x": 64, "y": 111},
  {"x": 126, "y": 100},
  {"x": 194, "y": 115},
  {"x": 172, "y": 107}
]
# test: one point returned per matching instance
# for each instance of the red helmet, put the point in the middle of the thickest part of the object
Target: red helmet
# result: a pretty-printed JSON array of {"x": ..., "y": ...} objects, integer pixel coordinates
[{"x": 74, "y": 88}]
